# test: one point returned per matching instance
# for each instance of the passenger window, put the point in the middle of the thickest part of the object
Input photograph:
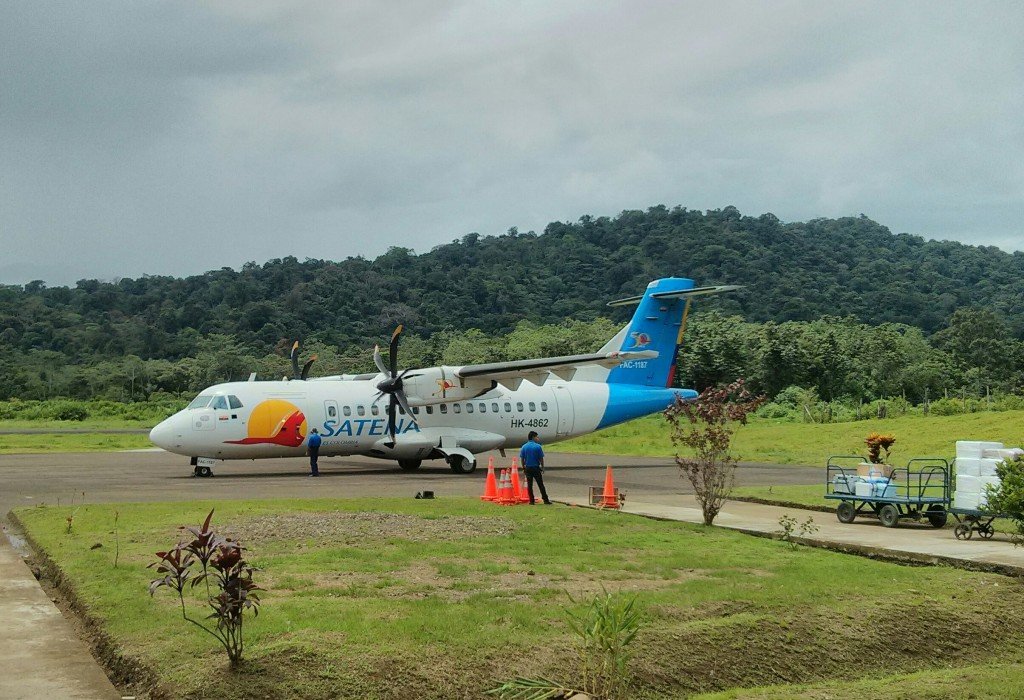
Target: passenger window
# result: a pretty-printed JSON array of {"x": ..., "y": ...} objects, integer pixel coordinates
[
  {"x": 494, "y": 408},
  {"x": 360, "y": 411},
  {"x": 543, "y": 405},
  {"x": 332, "y": 412},
  {"x": 430, "y": 410},
  {"x": 483, "y": 407},
  {"x": 401, "y": 410},
  {"x": 346, "y": 410},
  {"x": 519, "y": 406},
  {"x": 374, "y": 411},
  {"x": 508, "y": 407},
  {"x": 444, "y": 408},
  {"x": 415, "y": 410},
  {"x": 221, "y": 403},
  {"x": 469, "y": 408},
  {"x": 457, "y": 407},
  {"x": 234, "y": 402},
  {"x": 533, "y": 406}
]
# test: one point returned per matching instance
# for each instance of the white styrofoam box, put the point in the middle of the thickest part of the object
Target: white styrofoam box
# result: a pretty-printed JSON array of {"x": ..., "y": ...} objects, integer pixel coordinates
[
  {"x": 844, "y": 484},
  {"x": 885, "y": 490},
  {"x": 1010, "y": 453},
  {"x": 975, "y": 448},
  {"x": 972, "y": 466},
  {"x": 863, "y": 488},
  {"x": 967, "y": 466},
  {"x": 975, "y": 484},
  {"x": 970, "y": 501}
]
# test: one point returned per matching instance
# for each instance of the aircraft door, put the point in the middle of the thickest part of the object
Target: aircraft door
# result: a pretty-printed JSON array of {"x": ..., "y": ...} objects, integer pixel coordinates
[
  {"x": 331, "y": 411},
  {"x": 566, "y": 411}
]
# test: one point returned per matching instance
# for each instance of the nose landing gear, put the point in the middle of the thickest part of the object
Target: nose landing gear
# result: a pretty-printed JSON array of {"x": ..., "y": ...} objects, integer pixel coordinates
[{"x": 203, "y": 470}]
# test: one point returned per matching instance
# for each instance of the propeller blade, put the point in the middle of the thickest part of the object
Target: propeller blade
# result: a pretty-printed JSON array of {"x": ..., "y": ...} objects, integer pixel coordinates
[
  {"x": 305, "y": 367},
  {"x": 378, "y": 360},
  {"x": 295, "y": 360},
  {"x": 391, "y": 422},
  {"x": 393, "y": 349},
  {"x": 404, "y": 403}
]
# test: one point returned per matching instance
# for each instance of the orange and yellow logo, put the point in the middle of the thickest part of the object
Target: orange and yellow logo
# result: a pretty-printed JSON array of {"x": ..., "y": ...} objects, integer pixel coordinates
[{"x": 275, "y": 422}]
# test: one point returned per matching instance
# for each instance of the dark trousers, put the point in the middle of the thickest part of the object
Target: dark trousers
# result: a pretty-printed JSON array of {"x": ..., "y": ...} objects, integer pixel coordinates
[
  {"x": 535, "y": 474},
  {"x": 314, "y": 453}
]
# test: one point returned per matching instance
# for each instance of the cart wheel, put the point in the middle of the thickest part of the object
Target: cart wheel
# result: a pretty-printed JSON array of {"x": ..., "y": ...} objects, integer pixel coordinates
[
  {"x": 986, "y": 531},
  {"x": 963, "y": 531},
  {"x": 888, "y": 515},
  {"x": 846, "y": 512},
  {"x": 936, "y": 515}
]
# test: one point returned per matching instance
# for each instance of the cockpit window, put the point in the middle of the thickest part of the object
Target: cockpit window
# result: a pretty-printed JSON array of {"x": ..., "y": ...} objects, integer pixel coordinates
[
  {"x": 201, "y": 401},
  {"x": 220, "y": 402},
  {"x": 234, "y": 402}
]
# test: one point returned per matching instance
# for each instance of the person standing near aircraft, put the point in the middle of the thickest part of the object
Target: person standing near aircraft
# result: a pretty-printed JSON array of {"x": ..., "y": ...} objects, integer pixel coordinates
[
  {"x": 314, "y": 452},
  {"x": 532, "y": 457}
]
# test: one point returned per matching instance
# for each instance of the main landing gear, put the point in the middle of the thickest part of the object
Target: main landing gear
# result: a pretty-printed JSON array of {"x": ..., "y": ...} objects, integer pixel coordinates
[
  {"x": 409, "y": 465},
  {"x": 460, "y": 465}
]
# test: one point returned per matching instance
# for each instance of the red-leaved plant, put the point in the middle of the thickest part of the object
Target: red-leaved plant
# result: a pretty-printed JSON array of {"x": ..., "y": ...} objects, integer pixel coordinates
[
  {"x": 233, "y": 592},
  {"x": 706, "y": 425}
]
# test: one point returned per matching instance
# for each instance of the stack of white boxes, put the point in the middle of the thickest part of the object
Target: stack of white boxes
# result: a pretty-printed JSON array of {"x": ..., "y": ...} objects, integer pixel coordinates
[{"x": 976, "y": 471}]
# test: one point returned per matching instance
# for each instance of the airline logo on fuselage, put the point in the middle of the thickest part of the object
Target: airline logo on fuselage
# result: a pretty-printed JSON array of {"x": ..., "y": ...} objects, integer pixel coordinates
[
  {"x": 640, "y": 340},
  {"x": 274, "y": 422},
  {"x": 366, "y": 426}
]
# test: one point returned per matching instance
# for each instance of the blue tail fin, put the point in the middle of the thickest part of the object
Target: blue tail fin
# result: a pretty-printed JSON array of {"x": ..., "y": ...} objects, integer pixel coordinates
[{"x": 657, "y": 325}]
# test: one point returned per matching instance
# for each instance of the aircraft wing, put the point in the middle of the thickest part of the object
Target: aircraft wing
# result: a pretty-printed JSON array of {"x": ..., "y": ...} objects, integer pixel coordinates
[{"x": 537, "y": 370}]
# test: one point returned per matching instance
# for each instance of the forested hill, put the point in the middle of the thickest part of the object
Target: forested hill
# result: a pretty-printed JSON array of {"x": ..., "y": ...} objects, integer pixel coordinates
[{"x": 796, "y": 271}]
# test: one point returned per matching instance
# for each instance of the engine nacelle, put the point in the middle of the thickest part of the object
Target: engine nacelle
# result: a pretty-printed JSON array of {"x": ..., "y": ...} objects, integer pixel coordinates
[{"x": 439, "y": 385}]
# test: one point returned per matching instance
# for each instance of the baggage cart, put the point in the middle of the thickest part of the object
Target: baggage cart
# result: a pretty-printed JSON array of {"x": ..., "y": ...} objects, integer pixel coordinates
[{"x": 918, "y": 491}]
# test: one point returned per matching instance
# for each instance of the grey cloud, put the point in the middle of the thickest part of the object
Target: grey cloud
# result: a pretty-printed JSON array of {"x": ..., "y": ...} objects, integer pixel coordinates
[{"x": 171, "y": 138}]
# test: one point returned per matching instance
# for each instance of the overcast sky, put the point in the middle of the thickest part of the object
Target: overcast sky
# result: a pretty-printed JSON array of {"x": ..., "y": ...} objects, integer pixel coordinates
[{"x": 173, "y": 138}]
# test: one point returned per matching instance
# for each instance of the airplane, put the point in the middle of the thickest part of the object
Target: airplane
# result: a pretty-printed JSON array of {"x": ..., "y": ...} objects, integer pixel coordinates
[{"x": 445, "y": 412}]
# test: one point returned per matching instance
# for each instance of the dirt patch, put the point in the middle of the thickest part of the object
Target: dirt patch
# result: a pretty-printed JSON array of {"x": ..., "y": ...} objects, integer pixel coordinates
[{"x": 361, "y": 527}]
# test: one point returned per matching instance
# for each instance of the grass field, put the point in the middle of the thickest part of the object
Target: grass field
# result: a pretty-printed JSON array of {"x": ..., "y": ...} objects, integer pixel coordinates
[
  {"x": 440, "y": 599},
  {"x": 71, "y": 442},
  {"x": 776, "y": 442}
]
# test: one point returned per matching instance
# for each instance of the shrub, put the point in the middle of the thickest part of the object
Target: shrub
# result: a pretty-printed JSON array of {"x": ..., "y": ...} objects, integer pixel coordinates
[{"x": 234, "y": 590}]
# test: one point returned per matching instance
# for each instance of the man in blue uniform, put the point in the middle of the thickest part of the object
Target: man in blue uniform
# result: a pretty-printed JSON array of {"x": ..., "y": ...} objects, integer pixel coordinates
[
  {"x": 532, "y": 457},
  {"x": 314, "y": 452}
]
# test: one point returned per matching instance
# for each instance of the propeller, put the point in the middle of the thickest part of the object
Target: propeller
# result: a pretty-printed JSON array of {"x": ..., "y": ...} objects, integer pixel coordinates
[
  {"x": 304, "y": 372},
  {"x": 392, "y": 384}
]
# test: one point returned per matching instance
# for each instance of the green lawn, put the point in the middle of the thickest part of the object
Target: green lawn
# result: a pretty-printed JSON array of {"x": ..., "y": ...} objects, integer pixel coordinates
[
  {"x": 72, "y": 442},
  {"x": 777, "y": 442},
  {"x": 389, "y": 598}
]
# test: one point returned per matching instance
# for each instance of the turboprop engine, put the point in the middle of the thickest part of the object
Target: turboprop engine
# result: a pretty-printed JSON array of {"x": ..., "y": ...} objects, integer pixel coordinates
[{"x": 440, "y": 384}]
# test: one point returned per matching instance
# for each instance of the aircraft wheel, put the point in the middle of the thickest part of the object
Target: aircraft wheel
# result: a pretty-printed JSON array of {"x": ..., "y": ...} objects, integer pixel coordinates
[
  {"x": 409, "y": 465},
  {"x": 461, "y": 465},
  {"x": 203, "y": 471}
]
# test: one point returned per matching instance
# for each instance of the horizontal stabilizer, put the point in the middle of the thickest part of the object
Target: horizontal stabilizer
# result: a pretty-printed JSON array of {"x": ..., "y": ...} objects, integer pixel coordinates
[
  {"x": 533, "y": 369},
  {"x": 681, "y": 294}
]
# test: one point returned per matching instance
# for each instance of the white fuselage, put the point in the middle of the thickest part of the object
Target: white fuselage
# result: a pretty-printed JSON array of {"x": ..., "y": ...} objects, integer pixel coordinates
[{"x": 350, "y": 423}]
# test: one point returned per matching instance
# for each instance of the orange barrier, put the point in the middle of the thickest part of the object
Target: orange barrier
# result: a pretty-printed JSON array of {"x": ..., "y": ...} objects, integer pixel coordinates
[
  {"x": 609, "y": 499},
  {"x": 505, "y": 495},
  {"x": 491, "y": 486},
  {"x": 519, "y": 485}
]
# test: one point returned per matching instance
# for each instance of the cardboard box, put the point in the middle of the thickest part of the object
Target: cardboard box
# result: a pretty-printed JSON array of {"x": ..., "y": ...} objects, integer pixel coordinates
[
  {"x": 845, "y": 484},
  {"x": 866, "y": 469},
  {"x": 865, "y": 489},
  {"x": 1008, "y": 453},
  {"x": 972, "y": 466}
]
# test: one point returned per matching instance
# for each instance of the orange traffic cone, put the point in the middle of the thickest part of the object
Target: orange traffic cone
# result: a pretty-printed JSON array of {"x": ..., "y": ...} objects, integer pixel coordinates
[
  {"x": 518, "y": 487},
  {"x": 505, "y": 496},
  {"x": 491, "y": 486},
  {"x": 608, "y": 498}
]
